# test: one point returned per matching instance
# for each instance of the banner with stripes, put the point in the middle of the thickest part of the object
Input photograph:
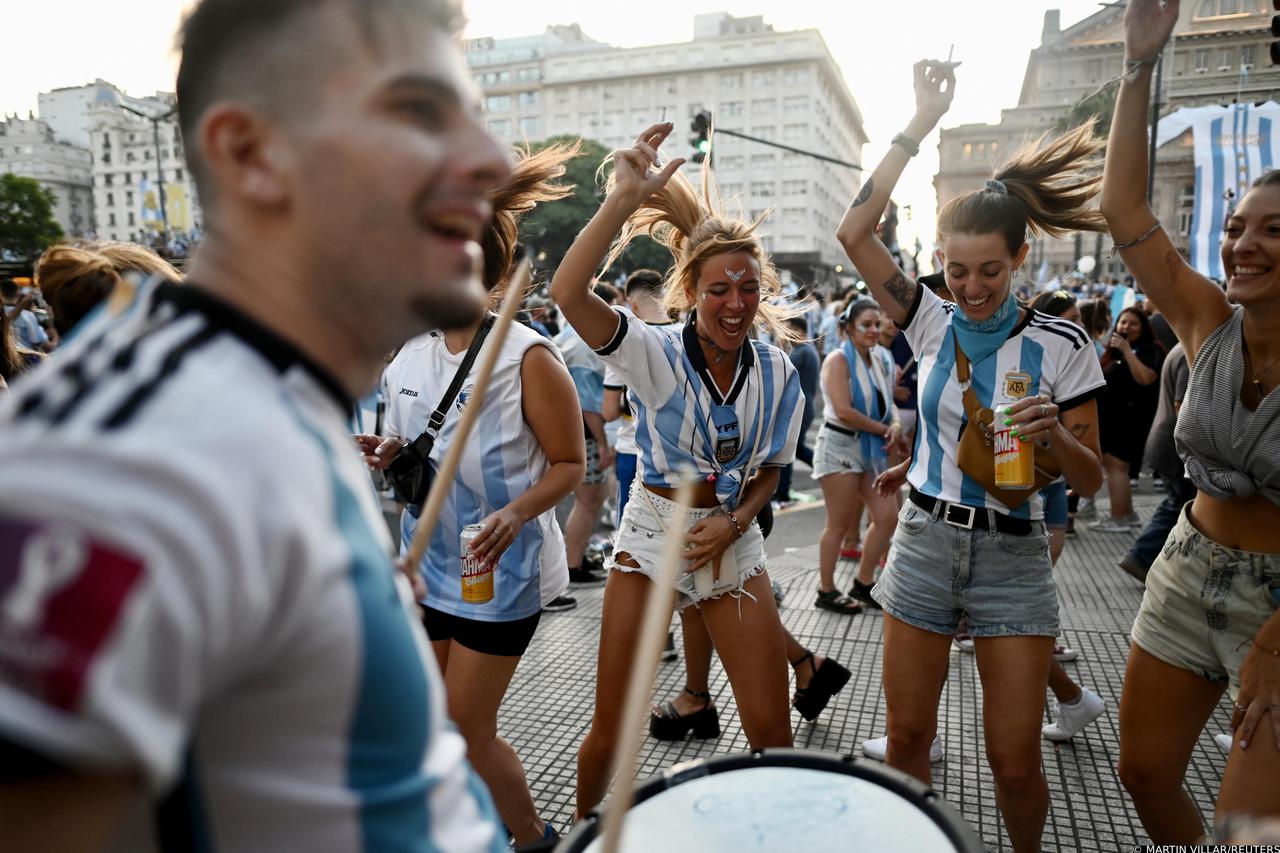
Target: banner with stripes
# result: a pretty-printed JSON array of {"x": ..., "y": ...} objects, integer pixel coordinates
[{"x": 1234, "y": 145}]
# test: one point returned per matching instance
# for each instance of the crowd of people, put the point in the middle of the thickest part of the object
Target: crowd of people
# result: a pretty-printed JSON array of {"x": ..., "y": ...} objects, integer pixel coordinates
[{"x": 204, "y": 630}]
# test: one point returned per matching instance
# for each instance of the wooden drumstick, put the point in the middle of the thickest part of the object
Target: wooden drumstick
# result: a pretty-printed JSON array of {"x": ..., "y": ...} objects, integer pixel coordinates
[
  {"x": 449, "y": 467},
  {"x": 653, "y": 634}
]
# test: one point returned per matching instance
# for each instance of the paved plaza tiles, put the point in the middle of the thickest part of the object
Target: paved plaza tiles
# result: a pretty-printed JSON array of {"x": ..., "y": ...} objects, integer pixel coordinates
[{"x": 549, "y": 703}]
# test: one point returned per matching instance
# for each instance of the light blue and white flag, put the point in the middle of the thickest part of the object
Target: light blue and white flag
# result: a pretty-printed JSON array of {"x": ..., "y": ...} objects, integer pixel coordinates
[{"x": 1234, "y": 145}]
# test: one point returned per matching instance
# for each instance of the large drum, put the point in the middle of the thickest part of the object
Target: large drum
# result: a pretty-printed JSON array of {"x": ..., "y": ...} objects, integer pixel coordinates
[{"x": 783, "y": 800}]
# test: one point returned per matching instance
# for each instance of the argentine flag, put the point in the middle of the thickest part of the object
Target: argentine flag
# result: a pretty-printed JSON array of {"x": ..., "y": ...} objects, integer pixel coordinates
[{"x": 1234, "y": 145}]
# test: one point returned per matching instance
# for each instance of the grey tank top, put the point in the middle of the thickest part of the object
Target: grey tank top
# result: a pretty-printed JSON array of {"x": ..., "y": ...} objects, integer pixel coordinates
[{"x": 1229, "y": 451}]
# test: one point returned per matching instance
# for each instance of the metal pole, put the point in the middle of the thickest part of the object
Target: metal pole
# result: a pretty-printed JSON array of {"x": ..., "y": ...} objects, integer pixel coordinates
[
  {"x": 1155, "y": 123},
  {"x": 790, "y": 148},
  {"x": 164, "y": 213}
]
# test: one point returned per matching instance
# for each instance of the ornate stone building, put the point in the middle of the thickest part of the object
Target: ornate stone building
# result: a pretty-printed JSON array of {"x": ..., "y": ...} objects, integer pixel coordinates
[
  {"x": 30, "y": 149},
  {"x": 1218, "y": 55}
]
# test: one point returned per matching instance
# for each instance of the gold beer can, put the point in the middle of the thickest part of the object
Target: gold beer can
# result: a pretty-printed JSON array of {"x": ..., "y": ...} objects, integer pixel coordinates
[
  {"x": 477, "y": 577},
  {"x": 1015, "y": 459}
]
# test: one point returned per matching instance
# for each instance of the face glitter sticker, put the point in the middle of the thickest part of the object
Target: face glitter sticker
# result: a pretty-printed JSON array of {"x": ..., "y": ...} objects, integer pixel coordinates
[{"x": 734, "y": 277}]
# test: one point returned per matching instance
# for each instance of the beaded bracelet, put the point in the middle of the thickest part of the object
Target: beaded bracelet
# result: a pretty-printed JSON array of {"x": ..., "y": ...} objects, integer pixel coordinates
[
  {"x": 737, "y": 528},
  {"x": 1117, "y": 247}
]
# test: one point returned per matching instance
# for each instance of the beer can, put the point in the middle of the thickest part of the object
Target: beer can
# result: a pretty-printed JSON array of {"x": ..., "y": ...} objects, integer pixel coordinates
[
  {"x": 1015, "y": 458},
  {"x": 477, "y": 577}
]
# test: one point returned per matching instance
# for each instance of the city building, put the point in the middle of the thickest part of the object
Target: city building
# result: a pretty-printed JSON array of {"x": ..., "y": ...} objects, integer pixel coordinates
[
  {"x": 1218, "y": 55},
  {"x": 67, "y": 109},
  {"x": 779, "y": 86},
  {"x": 29, "y": 148}
]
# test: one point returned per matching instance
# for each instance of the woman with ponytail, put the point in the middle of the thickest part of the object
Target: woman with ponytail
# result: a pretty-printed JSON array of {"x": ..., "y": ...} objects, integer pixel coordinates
[
  {"x": 961, "y": 548},
  {"x": 711, "y": 402},
  {"x": 524, "y": 456}
]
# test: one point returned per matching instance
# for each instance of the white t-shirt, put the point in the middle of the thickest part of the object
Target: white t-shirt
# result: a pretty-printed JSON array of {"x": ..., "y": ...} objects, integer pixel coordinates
[
  {"x": 196, "y": 586},
  {"x": 501, "y": 461},
  {"x": 1050, "y": 355}
]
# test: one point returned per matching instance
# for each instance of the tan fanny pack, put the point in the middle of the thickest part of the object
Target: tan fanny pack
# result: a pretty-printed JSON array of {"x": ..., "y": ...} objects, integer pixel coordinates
[{"x": 976, "y": 453}]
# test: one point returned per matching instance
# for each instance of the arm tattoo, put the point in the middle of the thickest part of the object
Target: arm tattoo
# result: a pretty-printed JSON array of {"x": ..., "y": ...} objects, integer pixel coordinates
[
  {"x": 1080, "y": 431},
  {"x": 902, "y": 289},
  {"x": 864, "y": 194}
]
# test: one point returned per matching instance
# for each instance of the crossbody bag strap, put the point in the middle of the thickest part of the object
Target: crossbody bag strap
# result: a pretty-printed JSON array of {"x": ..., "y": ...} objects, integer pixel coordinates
[
  {"x": 424, "y": 442},
  {"x": 971, "y": 404}
]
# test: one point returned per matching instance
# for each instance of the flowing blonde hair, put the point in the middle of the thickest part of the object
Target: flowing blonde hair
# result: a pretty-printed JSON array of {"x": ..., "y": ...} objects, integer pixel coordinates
[
  {"x": 691, "y": 225},
  {"x": 75, "y": 278},
  {"x": 530, "y": 182},
  {"x": 1048, "y": 189}
]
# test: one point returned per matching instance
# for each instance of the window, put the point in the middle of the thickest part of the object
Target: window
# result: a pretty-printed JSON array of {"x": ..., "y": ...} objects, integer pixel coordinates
[
  {"x": 1226, "y": 8},
  {"x": 531, "y": 126},
  {"x": 1248, "y": 56},
  {"x": 732, "y": 161},
  {"x": 497, "y": 103},
  {"x": 1226, "y": 59},
  {"x": 106, "y": 180},
  {"x": 528, "y": 99},
  {"x": 1202, "y": 59},
  {"x": 795, "y": 103},
  {"x": 764, "y": 131},
  {"x": 731, "y": 81},
  {"x": 795, "y": 75},
  {"x": 111, "y": 201},
  {"x": 500, "y": 125},
  {"x": 762, "y": 189},
  {"x": 764, "y": 78},
  {"x": 762, "y": 161},
  {"x": 111, "y": 218},
  {"x": 128, "y": 178},
  {"x": 128, "y": 198},
  {"x": 1186, "y": 208},
  {"x": 764, "y": 105},
  {"x": 106, "y": 157},
  {"x": 795, "y": 187},
  {"x": 132, "y": 221},
  {"x": 178, "y": 175},
  {"x": 731, "y": 108},
  {"x": 794, "y": 132},
  {"x": 533, "y": 73},
  {"x": 1093, "y": 70}
]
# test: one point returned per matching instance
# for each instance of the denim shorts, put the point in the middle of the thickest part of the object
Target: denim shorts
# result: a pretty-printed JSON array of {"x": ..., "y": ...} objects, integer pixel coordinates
[
  {"x": 641, "y": 534},
  {"x": 937, "y": 572},
  {"x": 1204, "y": 603},
  {"x": 1055, "y": 504},
  {"x": 836, "y": 452}
]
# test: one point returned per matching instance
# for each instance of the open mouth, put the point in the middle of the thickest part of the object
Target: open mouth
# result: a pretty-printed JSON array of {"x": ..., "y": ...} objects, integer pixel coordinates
[
  {"x": 977, "y": 303},
  {"x": 731, "y": 326},
  {"x": 453, "y": 226},
  {"x": 1244, "y": 272}
]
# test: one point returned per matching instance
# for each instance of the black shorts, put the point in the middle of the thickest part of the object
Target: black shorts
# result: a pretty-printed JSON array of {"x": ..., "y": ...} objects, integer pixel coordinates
[{"x": 504, "y": 639}]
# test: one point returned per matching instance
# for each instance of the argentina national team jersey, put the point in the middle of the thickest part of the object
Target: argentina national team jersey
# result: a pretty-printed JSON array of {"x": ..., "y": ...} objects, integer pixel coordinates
[
  {"x": 683, "y": 421},
  {"x": 1048, "y": 354},
  {"x": 502, "y": 460},
  {"x": 196, "y": 588}
]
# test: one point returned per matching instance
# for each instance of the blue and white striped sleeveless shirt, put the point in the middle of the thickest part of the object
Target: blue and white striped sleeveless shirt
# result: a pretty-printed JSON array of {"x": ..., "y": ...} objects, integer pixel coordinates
[
  {"x": 502, "y": 461},
  {"x": 677, "y": 406},
  {"x": 1054, "y": 354}
]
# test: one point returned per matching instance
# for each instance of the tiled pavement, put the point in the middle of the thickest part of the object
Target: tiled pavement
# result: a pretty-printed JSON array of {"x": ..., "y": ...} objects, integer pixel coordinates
[{"x": 548, "y": 705}]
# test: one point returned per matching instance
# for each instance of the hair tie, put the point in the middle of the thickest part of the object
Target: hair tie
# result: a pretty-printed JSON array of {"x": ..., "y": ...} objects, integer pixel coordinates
[{"x": 996, "y": 186}]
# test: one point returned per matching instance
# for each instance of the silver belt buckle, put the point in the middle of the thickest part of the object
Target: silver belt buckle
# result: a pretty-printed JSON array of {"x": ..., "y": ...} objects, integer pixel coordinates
[{"x": 967, "y": 524}]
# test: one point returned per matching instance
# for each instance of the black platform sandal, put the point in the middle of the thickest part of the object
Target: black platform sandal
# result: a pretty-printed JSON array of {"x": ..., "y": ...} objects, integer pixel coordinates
[
  {"x": 828, "y": 680},
  {"x": 837, "y": 602},
  {"x": 666, "y": 723}
]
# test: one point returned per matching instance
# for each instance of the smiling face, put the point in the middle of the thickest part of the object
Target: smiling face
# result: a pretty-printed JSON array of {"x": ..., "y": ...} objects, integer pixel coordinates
[
  {"x": 863, "y": 329},
  {"x": 1251, "y": 247},
  {"x": 979, "y": 269},
  {"x": 1129, "y": 326},
  {"x": 727, "y": 297}
]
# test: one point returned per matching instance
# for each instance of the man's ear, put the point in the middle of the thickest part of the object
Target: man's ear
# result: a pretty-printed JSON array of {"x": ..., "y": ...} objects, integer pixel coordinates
[{"x": 245, "y": 154}]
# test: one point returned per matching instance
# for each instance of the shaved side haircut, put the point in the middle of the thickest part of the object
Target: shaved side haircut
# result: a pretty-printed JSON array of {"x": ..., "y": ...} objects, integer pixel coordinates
[{"x": 274, "y": 54}]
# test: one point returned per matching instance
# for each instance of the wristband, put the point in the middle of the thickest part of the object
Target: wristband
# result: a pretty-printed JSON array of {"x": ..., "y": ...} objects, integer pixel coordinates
[
  {"x": 907, "y": 144},
  {"x": 737, "y": 528}
]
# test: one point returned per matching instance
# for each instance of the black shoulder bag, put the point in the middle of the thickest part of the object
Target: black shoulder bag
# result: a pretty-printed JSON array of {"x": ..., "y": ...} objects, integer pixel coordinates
[{"x": 410, "y": 472}]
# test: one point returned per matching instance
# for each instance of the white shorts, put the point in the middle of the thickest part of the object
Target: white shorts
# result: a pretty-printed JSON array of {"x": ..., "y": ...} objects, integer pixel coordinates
[
  {"x": 837, "y": 453},
  {"x": 641, "y": 534}
]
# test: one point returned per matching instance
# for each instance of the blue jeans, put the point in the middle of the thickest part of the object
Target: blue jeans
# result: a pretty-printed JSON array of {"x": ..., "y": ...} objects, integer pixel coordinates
[
  {"x": 624, "y": 466},
  {"x": 1178, "y": 491}
]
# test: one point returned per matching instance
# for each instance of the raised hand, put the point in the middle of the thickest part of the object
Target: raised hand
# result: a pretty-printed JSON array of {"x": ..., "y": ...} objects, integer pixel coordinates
[
  {"x": 1147, "y": 27},
  {"x": 935, "y": 87},
  {"x": 636, "y": 175}
]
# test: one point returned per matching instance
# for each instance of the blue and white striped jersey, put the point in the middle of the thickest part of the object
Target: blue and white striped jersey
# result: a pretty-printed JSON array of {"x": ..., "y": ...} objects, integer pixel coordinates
[
  {"x": 1047, "y": 354},
  {"x": 613, "y": 381},
  {"x": 196, "y": 586},
  {"x": 682, "y": 420},
  {"x": 585, "y": 367},
  {"x": 502, "y": 460}
]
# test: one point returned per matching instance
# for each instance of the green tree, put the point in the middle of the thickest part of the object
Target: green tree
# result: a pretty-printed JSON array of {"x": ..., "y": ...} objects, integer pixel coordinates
[
  {"x": 27, "y": 226},
  {"x": 1100, "y": 105},
  {"x": 550, "y": 229}
]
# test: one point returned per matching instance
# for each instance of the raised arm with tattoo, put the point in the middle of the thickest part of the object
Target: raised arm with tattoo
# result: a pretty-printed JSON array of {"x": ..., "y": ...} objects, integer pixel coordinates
[{"x": 935, "y": 86}]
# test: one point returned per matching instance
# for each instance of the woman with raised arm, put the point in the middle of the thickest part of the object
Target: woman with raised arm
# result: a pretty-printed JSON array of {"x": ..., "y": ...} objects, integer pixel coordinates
[
  {"x": 1208, "y": 621},
  {"x": 961, "y": 547},
  {"x": 710, "y": 402}
]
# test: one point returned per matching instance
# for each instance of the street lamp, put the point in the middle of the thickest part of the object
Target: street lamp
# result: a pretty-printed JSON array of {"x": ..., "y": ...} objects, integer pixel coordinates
[{"x": 155, "y": 131}]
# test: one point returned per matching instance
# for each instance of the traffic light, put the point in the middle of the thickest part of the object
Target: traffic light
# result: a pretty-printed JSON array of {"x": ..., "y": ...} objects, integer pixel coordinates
[
  {"x": 701, "y": 139},
  {"x": 1275, "y": 32}
]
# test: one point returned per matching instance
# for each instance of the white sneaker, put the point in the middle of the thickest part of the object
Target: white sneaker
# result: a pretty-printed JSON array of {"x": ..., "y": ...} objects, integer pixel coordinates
[
  {"x": 1087, "y": 509},
  {"x": 878, "y": 747},
  {"x": 1111, "y": 525},
  {"x": 1070, "y": 719},
  {"x": 1063, "y": 654},
  {"x": 1224, "y": 742},
  {"x": 1133, "y": 520}
]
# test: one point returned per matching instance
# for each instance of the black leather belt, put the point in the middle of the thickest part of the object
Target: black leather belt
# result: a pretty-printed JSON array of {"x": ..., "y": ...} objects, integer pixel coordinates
[
  {"x": 841, "y": 429},
  {"x": 971, "y": 518}
]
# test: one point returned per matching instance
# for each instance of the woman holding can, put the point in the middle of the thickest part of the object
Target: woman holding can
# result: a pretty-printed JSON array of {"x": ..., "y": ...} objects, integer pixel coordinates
[
  {"x": 709, "y": 401},
  {"x": 497, "y": 555},
  {"x": 1210, "y": 617},
  {"x": 959, "y": 547}
]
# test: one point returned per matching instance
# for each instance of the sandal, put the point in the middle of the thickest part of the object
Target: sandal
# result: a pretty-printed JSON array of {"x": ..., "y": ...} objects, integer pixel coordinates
[
  {"x": 828, "y": 680},
  {"x": 666, "y": 723},
  {"x": 837, "y": 602}
]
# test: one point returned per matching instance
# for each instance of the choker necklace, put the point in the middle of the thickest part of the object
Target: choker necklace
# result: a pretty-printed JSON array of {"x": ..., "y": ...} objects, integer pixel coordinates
[{"x": 720, "y": 353}]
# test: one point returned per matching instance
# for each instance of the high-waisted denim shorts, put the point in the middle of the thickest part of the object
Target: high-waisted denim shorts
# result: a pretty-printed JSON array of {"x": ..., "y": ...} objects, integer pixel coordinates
[
  {"x": 1204, "y": 603},
  {"x": 937, "y": 572}
]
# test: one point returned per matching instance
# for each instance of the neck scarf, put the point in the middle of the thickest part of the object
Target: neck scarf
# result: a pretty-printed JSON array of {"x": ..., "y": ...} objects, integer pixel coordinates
[
  {"x": 874, "y": 406},
  {"x": 979, "y": 340}
]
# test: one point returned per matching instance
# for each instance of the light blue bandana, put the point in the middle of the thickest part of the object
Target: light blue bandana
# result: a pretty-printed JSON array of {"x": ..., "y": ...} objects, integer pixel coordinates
[{"x": 981, "y": 339}]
